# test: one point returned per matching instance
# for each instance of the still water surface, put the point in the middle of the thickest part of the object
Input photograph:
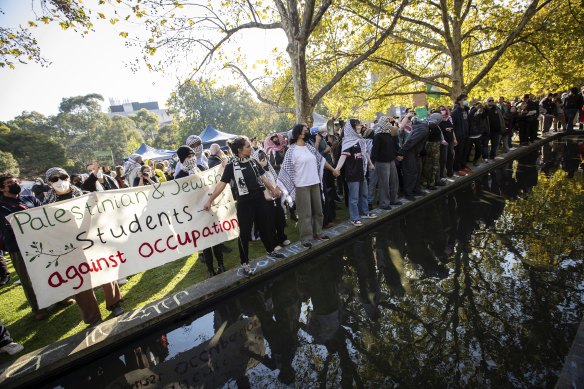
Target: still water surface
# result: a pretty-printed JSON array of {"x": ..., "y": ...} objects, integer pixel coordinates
[{"x": 483, "y": 287}]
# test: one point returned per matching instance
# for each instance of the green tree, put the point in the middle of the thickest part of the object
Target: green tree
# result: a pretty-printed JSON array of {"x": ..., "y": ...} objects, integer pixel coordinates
[
  {"x": 17, "y": 45},
  {"x": 454, "y": 46},
  {"x": 168, "y": 137},
  {"x": 199, "y": 103},
  {"x": 310, "y": 28},
  {"x": 8, "y": 164},
  {"x": 147, "y": 122},
  {"x": 34, "y": 152}
]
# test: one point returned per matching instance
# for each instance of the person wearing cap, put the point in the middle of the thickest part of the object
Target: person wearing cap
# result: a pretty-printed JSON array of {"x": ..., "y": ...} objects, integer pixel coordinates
[
  {"x": 61, "y": 189},
  {"x": 250, "y": 181},
  {"x": 12, "y": 201}
]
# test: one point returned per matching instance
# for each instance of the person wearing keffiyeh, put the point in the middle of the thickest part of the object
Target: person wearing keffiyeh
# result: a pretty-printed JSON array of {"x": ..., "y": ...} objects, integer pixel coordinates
[
  {"x": 251, "y": 181},
  {"x": 355, "y": 158},
  {"x": 61, "y": 190},
  {"x": 275, "y": 148},
  {"x": 132, "y": 167},
  {"x": 301, "y": 175}
]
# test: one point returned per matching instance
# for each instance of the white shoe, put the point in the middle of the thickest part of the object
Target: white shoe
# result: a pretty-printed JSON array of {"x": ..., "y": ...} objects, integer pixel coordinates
[
  {"x": 286, "y": 242},
  {"x": 17, "y": 282},
  {"x": 247, "y": 270},
  {"x": 277, "y": 248},
  {"x": 122, "y": 281},
  {"x": 12, "y": 348}
]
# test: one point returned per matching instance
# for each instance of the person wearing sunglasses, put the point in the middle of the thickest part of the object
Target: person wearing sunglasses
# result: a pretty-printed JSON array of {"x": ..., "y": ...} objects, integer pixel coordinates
[{"x": 61, "y": 189}]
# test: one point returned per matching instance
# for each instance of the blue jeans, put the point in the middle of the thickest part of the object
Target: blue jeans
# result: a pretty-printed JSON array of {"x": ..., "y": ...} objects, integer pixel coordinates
[
  {"x": 372, "y": 184},
  {"x": 357, "y": 199}
]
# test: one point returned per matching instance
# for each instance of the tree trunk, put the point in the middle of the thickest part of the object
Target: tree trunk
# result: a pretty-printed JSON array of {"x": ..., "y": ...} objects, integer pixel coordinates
[{"x": 297, "y": 52}]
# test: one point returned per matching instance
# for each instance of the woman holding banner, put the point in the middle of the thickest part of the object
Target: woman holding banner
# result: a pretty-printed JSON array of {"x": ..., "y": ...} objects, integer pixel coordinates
[
  {"x": 250, "y": 179},
  {"x": 60, "y": 190}
]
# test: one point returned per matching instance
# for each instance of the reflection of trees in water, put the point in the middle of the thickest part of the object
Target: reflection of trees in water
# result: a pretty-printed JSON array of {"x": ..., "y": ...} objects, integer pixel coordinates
[{"x": 489, "y": 319}]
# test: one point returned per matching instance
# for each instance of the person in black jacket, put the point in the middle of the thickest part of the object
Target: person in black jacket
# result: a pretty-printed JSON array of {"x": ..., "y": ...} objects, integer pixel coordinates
[
  {"x": 461, "y": 127},
  {"x": 383, "y": 154},
  {"x": 532, "y": 117},
  {"x": 97, "y": 180},
  {"x": 572, "y": 104}
]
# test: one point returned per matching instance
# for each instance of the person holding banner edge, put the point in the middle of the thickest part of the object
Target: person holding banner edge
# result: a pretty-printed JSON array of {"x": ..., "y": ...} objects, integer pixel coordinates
[
  {"x": 61, "y": 189},
  {"x": 251, "y": 181}
]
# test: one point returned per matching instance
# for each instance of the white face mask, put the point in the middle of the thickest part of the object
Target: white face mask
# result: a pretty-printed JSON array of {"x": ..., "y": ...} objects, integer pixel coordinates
[
  {"x": 61, "y": 186},
  {"x": 100, "y": 174},
  {"x": 465, "y": 103},
  {"x": 190, "y": 164}
]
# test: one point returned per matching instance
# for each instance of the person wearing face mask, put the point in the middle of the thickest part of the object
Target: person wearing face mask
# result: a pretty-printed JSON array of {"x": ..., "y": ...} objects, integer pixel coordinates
[
  {"x": 460, "y": 123},
  {"x": 275, "y": 148},
  {"x": 12, "y": 201},
  {"x": 478, "y": 133},
  {"x": 97, "y": 181},
  {"x": 61, "y": 189},
  {"x": 446, "y": 151},
  {"x": 121, "y": 177},
  {"x": 356, "y": 159},
  {"x": 250, "y": 181},
  {"x": 145, "y": 177},
  {"x": 189, "y": 167}
]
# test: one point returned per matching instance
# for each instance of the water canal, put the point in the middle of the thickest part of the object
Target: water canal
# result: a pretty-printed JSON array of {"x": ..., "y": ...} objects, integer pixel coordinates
[{"x": 482, "y": 287}]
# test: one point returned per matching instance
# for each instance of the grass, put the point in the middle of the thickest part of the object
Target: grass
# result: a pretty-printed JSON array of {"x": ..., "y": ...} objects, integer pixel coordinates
[{"x": 140, "y": 290}]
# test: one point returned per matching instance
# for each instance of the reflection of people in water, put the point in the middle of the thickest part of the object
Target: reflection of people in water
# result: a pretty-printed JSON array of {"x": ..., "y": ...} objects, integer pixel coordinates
[
  {"x": 389, "y": 246},
  {"x": 571, "y": 157},
  {"x": 277, "y": 306},
  {"x": 363, "y": 262}
]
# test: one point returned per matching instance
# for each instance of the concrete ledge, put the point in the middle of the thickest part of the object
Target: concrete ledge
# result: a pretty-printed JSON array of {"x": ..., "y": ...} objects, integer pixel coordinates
[
  {"x": 572, "y": 375},
  {"x": 37, "y": 366}
]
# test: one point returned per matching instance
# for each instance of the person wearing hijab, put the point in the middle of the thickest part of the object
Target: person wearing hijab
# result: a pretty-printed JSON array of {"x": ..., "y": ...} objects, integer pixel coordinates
[
  {"x": 132, "y": 167},
  {"x": 251, "y": 181},
  {"x": 355, "y": 158},
  {"x": 301, "y": 175},
  {"x": 275, "y": 148},
  {"x": 61, "y": 189}
]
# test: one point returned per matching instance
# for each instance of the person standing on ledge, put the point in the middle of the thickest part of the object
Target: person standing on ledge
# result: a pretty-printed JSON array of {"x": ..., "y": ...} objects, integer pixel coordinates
[
  {"x": 61, "y": 189},
  {"x": 250, "y": 180}
]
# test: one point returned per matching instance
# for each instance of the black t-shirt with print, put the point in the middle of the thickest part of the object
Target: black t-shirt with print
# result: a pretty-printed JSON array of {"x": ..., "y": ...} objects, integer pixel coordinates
[
  {"x": 251, "y": 172},
  {"x": 354, "y": 164}
]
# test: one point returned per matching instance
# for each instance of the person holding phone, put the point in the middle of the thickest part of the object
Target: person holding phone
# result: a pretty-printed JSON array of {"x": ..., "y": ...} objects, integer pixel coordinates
[{"x": 145, "y": 177}]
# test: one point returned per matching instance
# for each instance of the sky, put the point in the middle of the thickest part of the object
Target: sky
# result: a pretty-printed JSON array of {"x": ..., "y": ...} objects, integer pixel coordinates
[{"x": 80, "y": 65}]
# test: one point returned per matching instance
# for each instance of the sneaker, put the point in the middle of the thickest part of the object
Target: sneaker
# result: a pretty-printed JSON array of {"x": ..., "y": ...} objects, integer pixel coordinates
[
  {"x": 12, "y": 348},
  {"x": 461, "y": 173},
  {"x": 4, "y": 280},
  {"x": 411, "y": 198},
  {"x": 307, "y": 244},
  {"x": 286, "y": 242},
  {"x": 275, "y": 254},
  {"x": 322, "y": 237},
  {"x": 122, "y": 281},
  {"x": 441, "y": 183},
  {"x": 356, "y": 223},
  {"x": 369, "y": 216},
  {"x": 247, "y": 270},
  {"x": 396, "y": 203},
  {"x": 485, "y": 160},
  {"x": 17, "y": 282},
  {"x": 277, "y": 248}
]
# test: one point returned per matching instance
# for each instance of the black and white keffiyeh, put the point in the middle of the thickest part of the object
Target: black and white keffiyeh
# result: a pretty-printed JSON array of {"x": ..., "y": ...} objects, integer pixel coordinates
[
  {"x": 351, "y": 138},
  {"x": 287, "y": 173}
]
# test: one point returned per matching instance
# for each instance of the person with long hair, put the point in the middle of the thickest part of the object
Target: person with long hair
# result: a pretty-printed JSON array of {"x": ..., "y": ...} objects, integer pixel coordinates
[
  {"x": 301, "y": 175},
  {"x": 250, "y": 181}
]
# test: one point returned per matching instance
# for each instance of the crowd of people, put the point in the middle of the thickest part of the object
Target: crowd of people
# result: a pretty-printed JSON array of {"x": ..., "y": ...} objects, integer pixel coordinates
[{"x": 306, "y": 174}]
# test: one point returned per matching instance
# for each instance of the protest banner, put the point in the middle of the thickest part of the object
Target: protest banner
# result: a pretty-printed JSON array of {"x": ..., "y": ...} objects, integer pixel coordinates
[{"x": 78, "y": 244}]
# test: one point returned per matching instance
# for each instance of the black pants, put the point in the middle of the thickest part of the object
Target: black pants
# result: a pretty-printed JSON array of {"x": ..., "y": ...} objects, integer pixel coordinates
[
  {"x": 248, "y": 213},
  {"x": 328, "y": 207},
  {"x": 447, "y": 160},
  {"x": 4, "y": 336},
  {"x": 461, "y": 154},
  {"x": 3, "y": 265},
  {"x": 533, "y": 126},
  {"x": 412, "y": 172},
  {"x": 277, "y": 220},
  {"x": 216, "y": 251}
]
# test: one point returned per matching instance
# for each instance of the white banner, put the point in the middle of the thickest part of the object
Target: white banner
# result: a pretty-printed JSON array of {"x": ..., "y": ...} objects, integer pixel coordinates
[{"x": 100, "y": 237}]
